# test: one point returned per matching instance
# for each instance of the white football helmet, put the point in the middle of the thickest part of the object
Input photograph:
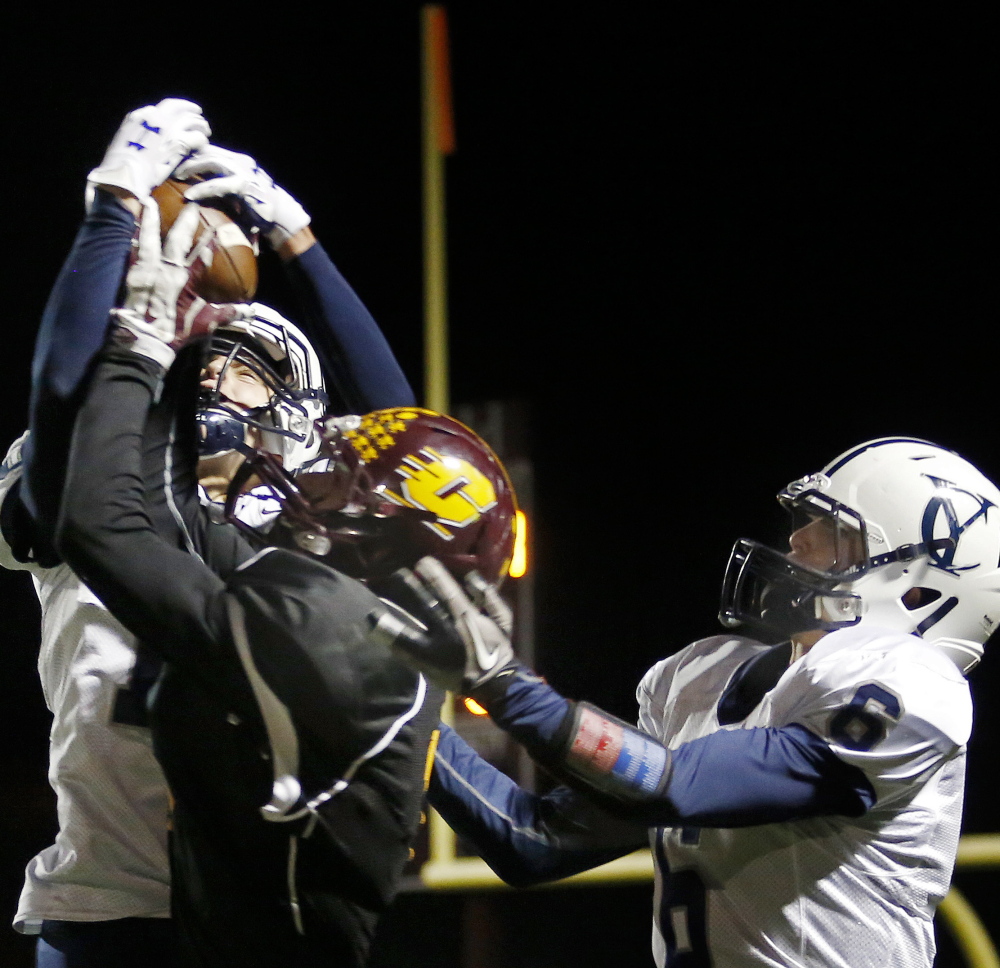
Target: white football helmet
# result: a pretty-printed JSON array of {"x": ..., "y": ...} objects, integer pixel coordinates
[
  {"x": 929, "y": 524},
  {"x": 283, "y": 358}
]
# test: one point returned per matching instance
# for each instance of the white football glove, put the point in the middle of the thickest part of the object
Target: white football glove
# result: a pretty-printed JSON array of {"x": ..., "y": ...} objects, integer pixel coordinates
[
  {"x": 148, "y": 146},
  {"x": 488, "y": 598},
  {"x": 161, "y": 313},
  {"x": 268, "y": 206},
  {"x": 463, "y": 648}
]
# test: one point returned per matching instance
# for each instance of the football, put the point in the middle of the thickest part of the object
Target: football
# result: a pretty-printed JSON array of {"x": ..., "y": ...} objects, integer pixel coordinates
[{"x": 229, "y": 274}]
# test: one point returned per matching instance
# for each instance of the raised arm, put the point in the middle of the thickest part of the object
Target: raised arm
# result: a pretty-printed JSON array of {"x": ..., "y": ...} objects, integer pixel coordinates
[
  {"x": 149, "y": 143},
  {"x": 355, "y": 355},
  {"x": 525, "y": 838},
  {"x": 145, "y": 573},
  {"x": 783, "y": 773},
  {"x": 165, "y": 596}
]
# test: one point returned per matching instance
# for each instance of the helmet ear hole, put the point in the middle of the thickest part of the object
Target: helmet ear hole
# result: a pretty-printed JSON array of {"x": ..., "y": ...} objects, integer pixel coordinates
[{"x": 918, "y": 597}]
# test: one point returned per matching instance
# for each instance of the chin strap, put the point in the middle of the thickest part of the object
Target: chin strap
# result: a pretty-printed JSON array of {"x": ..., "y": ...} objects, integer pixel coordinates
[
  {"x": 910, "y": 552},
  {"x": 847, "y": 609}
]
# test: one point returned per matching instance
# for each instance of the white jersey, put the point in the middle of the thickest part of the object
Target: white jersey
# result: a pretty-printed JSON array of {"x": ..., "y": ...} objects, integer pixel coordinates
[
  {"x": 829, "y": 892},
  {"x": 110, "y": 856}
]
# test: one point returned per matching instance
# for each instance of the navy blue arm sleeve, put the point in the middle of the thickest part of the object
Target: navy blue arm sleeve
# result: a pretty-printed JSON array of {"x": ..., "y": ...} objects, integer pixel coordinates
[
  {"x": 72, "y": 332},
  {"x": 742, "y": 777},
  {"x": 732, "y": 778},
  {"x": 525, "y": 838},
  {"x": 355, "y": 355}
]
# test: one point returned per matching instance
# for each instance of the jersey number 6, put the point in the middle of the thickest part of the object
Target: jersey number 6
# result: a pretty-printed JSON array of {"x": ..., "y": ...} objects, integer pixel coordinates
[{"x": 861, "y": 725}]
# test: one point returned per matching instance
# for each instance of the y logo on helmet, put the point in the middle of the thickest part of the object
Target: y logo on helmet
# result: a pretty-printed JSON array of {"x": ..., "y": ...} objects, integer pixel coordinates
[
  {"x": 452, "y": 489},
  {"x": 959, "y": 509}
]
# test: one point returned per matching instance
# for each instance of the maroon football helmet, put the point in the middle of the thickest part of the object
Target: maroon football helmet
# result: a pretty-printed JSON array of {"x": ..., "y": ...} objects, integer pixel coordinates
[{"x": 402, "y": 483}]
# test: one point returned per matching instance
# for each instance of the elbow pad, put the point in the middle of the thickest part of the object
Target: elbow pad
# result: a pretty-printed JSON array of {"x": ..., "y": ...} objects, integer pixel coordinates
[{"x": 611, "y": 757}]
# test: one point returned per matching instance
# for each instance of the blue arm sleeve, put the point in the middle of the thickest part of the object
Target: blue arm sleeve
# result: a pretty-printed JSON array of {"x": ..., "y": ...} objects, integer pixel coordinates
[
  {"x": 354, "y": 353},
  {"x": 742, "y": 777},
  {"x": 72, "y": 331},
  {"x": 732, "y": 778},
  {"x": 525, "y": 838}
]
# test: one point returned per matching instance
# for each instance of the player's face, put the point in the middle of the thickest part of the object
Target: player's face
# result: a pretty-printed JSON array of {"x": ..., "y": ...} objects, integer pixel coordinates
[
  {"x": 240, "y": 388},
  {"x": 240, "y": 384},
  {"x": 826, "y": 546}
]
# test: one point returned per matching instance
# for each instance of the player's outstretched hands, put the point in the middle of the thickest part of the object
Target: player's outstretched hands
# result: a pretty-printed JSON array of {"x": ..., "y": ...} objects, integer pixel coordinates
[
  {"x": 161, "y": 313},
  {"x": 149, "y": 145},
  {"x": 266, "y": 205},
  {"x": 464, "y": 645}
]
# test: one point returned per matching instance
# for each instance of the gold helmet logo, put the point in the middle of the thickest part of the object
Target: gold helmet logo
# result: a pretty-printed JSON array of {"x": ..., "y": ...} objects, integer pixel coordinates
[{"x": 451, "y": 488}]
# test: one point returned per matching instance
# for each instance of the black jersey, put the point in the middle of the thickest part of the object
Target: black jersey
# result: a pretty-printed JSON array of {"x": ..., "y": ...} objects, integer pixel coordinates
[
  {"x": 294, "y": 746},
  {"x": 298, "y": 772}
]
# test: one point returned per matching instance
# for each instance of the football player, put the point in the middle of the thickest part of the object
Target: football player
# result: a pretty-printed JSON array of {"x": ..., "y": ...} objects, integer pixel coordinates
[
  {"x": 802, "y": 774},
  {"x": 99, "y": 895},
  {"x": 294, "y": 744}
]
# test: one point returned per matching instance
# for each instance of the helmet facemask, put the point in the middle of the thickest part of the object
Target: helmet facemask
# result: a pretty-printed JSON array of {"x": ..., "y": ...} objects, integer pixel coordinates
[
  {"x": 774, "y": 596},
  {"x": 331, "y": 514},
  {"x": 284, "y": 363},
  {"x": 224, "y": 425}
]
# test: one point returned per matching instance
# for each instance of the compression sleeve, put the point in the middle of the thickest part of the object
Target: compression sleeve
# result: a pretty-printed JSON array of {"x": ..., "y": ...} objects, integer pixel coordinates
[
  {"x": 351, "y": 347},
  {"x": 525, "y": 838},
  {"x": 731, "y": 778},
  {"x": 72, "y": 331}
]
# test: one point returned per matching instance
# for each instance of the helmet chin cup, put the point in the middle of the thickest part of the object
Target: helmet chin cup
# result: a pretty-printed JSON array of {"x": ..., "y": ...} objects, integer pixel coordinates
[
  {"x": 314, "y": 542},
  {"x": 220, "y": 431},
  {"x": 838, "y": 611}
]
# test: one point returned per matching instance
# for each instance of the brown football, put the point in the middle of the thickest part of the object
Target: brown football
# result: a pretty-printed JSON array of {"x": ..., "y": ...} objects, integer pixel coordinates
[{"x": 231, "y": 274}]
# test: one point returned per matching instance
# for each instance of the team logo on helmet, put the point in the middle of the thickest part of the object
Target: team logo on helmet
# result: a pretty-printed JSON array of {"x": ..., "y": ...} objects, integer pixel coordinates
[
  {"x": 943, "y": 506},
  {"x": 455, "y": 491},
  {"x": 451, "y": 488}
]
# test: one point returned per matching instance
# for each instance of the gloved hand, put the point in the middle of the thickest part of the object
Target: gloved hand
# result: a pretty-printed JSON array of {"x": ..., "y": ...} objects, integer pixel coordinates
[
  {"x": 462, "y": 648},
  {"x": 148, "y": 146},
  {"x": 161, "y": 311},
  {"x": 266, "y": 205},
  {"x": 488, "y": 598}
]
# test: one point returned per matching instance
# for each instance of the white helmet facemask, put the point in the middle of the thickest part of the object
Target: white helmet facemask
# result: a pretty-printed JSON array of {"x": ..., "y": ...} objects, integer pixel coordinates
[
  {"x": 928, "y": 524},
  {"x": 280, "y": 355}
]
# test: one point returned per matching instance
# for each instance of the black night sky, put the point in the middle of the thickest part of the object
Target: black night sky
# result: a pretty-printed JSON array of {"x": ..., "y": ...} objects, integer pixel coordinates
[{"x": 708, "y": 251}]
